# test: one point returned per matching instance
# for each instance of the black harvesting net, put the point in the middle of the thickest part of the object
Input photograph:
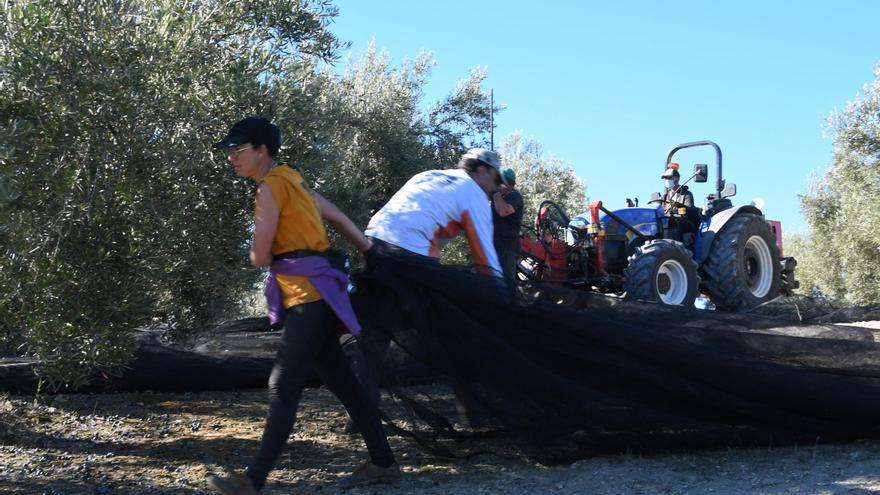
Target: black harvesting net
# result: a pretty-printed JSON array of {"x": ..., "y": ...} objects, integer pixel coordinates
[{"x": 572, "y": 374}]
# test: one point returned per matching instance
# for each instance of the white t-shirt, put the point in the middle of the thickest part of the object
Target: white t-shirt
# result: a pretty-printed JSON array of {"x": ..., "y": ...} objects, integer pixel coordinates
[{"x": 431, "y": 209}]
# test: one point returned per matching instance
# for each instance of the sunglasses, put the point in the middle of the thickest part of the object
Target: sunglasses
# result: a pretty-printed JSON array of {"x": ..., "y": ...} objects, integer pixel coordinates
[{"x": 234, "y": 152}]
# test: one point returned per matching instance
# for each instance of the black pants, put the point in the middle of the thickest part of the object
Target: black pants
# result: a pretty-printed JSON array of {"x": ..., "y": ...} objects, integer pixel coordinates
[
  {"x": 309, "y": 342},
  {"x": 373, "y": 344},
  {"x": 373, "y": 348},
  {"x": 508, "y": 258}
]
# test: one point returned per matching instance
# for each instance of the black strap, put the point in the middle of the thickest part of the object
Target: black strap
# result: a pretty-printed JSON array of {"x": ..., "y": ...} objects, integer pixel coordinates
[
  {"x": 337, "y": 259},
  {"x": 299, "y": 253}
]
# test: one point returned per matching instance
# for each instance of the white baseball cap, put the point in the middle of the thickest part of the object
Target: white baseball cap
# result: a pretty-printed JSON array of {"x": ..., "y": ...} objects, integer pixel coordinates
[{"x": 488, "y": 157}]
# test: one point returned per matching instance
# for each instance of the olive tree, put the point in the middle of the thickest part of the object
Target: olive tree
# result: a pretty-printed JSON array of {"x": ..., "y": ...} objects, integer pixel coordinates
[
  {"x": 376, "y": 132},
  {"x": 114, "y": 211},
  {"x": 540, "y": 176},
  {"x": 115, "y": 214},
  {"x": 841, "y": 256}
]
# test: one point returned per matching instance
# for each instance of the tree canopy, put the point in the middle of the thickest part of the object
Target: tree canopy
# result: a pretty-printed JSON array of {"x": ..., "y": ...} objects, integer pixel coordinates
[
  {"x": 540, "y": 176},
  {"x": 115, "y": 214},
  {"x": 841, "y": 256}
]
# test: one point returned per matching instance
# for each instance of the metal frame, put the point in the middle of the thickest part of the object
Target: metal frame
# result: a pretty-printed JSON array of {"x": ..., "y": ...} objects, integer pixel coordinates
[{"x": 719, "y": 181}]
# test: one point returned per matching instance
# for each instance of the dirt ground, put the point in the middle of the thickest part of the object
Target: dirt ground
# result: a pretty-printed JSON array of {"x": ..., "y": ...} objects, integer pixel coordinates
[{"x": 168, "y": 443}]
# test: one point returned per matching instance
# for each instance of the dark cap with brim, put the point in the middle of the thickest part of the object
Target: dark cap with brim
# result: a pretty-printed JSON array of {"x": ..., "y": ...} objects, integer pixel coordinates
[
  {"x": 509, "y": 176},
  {"x": 254, "y": 130},
  {"x": 670, "y": 173}
]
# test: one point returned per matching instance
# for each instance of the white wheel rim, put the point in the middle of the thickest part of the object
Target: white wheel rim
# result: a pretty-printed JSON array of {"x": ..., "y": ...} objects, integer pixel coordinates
[
  {"x": 758, "y": 266},
  {"x": 678, "y": 282}
]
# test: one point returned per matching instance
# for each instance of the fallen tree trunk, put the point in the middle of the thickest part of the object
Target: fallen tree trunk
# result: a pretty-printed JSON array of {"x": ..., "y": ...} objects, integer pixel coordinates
[
  {"x": 235, "y": 355},
  {"x": 239, "y": 354}
]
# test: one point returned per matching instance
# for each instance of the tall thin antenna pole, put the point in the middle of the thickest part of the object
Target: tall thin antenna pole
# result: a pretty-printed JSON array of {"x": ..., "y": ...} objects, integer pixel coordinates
[{"x": 492, "y": 119}]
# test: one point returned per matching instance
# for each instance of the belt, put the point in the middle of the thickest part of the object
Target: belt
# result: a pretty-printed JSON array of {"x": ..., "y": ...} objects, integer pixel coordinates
[{"x": 336, "y": 258}]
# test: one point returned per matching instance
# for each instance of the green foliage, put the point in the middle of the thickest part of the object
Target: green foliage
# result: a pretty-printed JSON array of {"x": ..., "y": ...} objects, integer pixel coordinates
[
  {"x": 542, "y": 177},
  {"x": 808, "y": 269},
  {"x": 115, "y": 213},
  {"x": 374, "y": 138},
  {"x": 372, "y": 134},
  {"x": 842, "y": 255}
]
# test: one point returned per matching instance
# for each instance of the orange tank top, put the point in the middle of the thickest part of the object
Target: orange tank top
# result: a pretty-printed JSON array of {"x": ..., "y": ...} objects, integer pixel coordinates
[{"x": 299, "y": 227}]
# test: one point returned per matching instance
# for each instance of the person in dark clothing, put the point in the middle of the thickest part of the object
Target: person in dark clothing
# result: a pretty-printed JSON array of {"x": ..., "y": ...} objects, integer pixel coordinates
[
  {"x": 309, "y": 296},
  {"x": 675, "y": 195},
  {"x": 507, "y": 213},
  {"x": 678, "y": 204}
]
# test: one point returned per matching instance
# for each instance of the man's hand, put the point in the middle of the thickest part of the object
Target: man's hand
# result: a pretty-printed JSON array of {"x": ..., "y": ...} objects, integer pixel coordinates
[
  {"x": 501, "y": 207},
  {"x": 371, "y": 255}
]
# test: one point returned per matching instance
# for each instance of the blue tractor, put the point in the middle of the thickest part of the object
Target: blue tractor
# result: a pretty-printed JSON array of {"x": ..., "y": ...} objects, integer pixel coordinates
[{"x": 666, "y": 252}]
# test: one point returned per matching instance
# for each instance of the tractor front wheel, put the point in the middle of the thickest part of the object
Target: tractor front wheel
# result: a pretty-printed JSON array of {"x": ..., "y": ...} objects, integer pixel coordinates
[
  {"x": 662, "y": 271},
  {"x": 743, "y": 269}
]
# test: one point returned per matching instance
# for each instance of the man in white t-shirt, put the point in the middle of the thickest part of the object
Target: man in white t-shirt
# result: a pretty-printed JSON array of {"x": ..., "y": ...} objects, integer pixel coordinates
[
  {"x": 435, "y": 206},
  {"x": 420, "y": 219}
]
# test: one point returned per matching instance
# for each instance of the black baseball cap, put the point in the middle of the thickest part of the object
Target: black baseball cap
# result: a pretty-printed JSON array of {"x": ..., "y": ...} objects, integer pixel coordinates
[{"x": 253, "y": 130}]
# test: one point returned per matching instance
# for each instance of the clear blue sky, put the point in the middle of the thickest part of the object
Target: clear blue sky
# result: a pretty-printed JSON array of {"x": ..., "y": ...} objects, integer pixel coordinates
[{"x": 609, "y": 87}]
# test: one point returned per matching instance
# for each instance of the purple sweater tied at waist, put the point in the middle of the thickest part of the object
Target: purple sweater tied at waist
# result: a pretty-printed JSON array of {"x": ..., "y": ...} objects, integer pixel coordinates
[{"x": 332, "y": 284}]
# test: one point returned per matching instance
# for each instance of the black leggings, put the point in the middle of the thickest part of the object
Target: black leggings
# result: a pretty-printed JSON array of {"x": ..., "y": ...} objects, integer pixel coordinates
[{"x": 310, "y": 342}]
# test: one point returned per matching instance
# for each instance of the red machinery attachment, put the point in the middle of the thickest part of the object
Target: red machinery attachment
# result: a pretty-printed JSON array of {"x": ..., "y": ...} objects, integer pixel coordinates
[
  {"x": 548, "y": 253},
  {"x": 776, "y": 228}
]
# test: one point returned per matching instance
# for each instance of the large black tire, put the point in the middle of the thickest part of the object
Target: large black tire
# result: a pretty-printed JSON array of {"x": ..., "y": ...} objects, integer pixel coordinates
[
  {"x": 742, "y": 270},
  {"x": 662, "y": 271}
]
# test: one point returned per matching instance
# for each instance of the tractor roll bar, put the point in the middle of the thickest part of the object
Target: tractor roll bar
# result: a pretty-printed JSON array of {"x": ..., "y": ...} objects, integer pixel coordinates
[{"x": 719, "y": 181}]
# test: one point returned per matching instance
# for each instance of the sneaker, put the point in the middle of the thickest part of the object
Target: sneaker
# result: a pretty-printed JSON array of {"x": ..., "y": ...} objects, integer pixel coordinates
[
  {"x": 236, "y": 484},
  {"x": 371, "y": 474}
]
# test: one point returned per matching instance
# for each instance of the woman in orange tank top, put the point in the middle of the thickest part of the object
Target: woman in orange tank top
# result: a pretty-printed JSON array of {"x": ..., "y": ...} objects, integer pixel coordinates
[{"x": 288, "y": 219}]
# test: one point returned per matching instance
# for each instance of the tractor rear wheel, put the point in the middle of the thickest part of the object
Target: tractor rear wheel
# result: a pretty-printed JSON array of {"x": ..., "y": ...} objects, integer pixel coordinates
[
  {"x": 662, "y": 271},
  {"x": 743, "y": 269}
]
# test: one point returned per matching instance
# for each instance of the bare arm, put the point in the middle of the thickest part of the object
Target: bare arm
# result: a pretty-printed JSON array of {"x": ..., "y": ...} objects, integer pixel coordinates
[
  {"x": 265, "y": 225},
  {"x": 342, "y": 224},
  {"x": 502, "y": 208},
  {"x": 479, "y": 232}
]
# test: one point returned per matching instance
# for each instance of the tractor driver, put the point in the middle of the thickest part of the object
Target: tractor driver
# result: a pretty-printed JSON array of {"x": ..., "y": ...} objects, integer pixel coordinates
[
  {"x": 675, "y": 195},
  {"x": 678, "y": 203}
]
